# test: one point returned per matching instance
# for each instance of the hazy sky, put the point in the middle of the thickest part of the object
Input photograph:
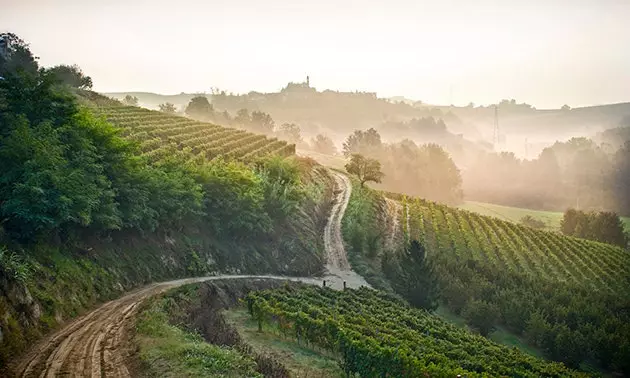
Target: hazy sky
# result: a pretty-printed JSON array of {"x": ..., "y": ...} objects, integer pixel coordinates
[{"x": 544, "y": 52}]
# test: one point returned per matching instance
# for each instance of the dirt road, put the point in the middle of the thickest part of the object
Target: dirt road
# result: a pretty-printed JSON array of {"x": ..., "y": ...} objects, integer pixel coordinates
[
  {"x": 337, "y": 266},
  {"x": 98, "y": 344}
]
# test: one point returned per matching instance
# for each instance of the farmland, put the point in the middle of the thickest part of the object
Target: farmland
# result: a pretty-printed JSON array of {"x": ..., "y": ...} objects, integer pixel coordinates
[
  {"x": 377, "y": 335},
  {"x": 573, "y": 289},
  {"x": 161, "y": 136}
]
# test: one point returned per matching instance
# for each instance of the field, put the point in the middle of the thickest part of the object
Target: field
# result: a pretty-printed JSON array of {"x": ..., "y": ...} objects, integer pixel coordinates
[
  {"x": 376, "y": 335},
  {"x": 514, "y": 214},
  {"x": 519, "y": 276},
  {"x": 161, "y": 136}
]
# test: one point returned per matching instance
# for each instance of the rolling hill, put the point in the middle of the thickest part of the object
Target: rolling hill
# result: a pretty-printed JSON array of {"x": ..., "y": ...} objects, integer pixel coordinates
[{"x": 161, "y": 135}]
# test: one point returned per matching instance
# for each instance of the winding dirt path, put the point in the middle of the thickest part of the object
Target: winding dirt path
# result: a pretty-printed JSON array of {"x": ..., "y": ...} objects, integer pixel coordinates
[
  {"x": 337, "y": 267},
  {"x": 98, "y": 344}
]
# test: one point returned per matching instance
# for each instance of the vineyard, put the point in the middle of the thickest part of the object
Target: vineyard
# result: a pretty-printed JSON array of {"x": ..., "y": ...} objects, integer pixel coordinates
[
  {"x": 375, "y": 335},
  {"x": 565, "y": 295},
  {"x": 161, "y": 135}
]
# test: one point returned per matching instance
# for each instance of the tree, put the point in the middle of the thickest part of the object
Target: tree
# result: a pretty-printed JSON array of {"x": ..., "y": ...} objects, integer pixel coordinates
[
  {"x": 71, "y": 76},
  {"x": 532, "y": 222},
  {"x": 262, "y": 122},
  {"x": 481, "y": 315},
  {"x": 15, "y": 56},
  {"x": 290, "y": 132},
  {"x": 323, "y": 145},
  {"x": 362, "y": 142},
  {"x": 130, "y": 100},
  {"x": 200, "y": 108},
  {"x": 167, "y": 107},
  {"x": 365, "y": 169},
  {"x": 243, "y": 118},
  {"x": 417, "y": 281}
]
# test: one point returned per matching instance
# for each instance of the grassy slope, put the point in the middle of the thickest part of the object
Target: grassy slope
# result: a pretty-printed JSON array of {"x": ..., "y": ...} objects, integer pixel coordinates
[
  {"x": 514, "y": 214},
  {"x": 302, "y": 361},
  {"x": 170, "y": 351}
]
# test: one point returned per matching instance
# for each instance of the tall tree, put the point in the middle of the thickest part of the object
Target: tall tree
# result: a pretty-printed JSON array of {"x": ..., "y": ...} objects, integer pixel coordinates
[
  {"x": 200, "y": 108},
  {"x": 323, "y": 144},
  {"x": 365, "y": 169},
  {"x": 290, "y": 132},
  {"x": 362, "y": 142},
  {"x": 15, "y": 56},
  {"x": 417, "y": 281},
  {"x": 71, "y": 76},
  {"x": 130, "y": 100},
  {"x": 167, "y": 107},
  {"x": 262, "y": 122}
]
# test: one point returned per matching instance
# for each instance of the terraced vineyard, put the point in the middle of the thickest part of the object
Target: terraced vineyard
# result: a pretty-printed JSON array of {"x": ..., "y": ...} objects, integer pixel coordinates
[
  {"x": 567, "y": 296},
  {"x": 161, "y": 135},
  {"x": 378, "y": 336}
]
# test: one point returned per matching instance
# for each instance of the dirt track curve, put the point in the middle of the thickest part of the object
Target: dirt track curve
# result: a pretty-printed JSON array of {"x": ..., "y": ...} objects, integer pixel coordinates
[{"x": 98, "y": 344}]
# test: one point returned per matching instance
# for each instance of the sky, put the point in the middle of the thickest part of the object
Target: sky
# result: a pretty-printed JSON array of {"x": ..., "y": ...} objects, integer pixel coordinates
[{"x": 543, "y": 52}]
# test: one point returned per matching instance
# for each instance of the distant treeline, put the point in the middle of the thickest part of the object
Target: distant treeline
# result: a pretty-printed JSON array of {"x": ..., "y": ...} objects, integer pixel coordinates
[{"x": 578, "y": 173}]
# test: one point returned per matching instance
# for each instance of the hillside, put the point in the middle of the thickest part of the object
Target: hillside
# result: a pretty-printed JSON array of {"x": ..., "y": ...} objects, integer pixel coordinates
[
  {"x": 514, "y": 214},
  {"x": 377, "y": 335},
  {"x": 564, "y": 295},
  {"x": 161, "y": 135}
]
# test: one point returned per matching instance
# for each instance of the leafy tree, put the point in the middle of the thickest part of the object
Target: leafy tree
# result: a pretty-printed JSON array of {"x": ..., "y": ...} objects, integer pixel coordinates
[
  {"x": 200, "y": 108},
  {"x": 532, "y": 222},
  {"x": 16, "y": 56},
  {"x": 243, "y": 118},
  {"x": 602, "y": 226},
  {"x": 481, "y": 315},
  {"x": 262, "y": 122},
  {"x": 365, "y": 169},
  {"x": 290, "y": 132},
  {"x": 324, "y": 145},
  {"x": 130, "y": 100},
  {"x": 167, "y": 107},
  {"x": 362, "y": 142},
  {"x": 71, "y": 76},
  {"x": 417, "y": 281}
]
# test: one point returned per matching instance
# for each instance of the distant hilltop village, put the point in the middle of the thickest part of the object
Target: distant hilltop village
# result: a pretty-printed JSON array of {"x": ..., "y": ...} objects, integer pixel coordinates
[{"x": 305, "y": 88}]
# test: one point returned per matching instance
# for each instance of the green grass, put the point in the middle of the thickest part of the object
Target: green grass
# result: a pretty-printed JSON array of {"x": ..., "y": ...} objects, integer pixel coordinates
[
  {"x": 514, "y": 214},
  {"x": 169, "y": 351},
  {"x": 500, "y": 335},
  {"x": 302, "y": 361}
]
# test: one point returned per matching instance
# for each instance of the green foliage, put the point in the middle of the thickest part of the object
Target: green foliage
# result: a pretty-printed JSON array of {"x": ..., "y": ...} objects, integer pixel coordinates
[
  {"x": 414, "y": 277},
  {"x": 362, "y": 142},
  {"x": 199, "y": 108},
  {"x": 601, "y": 226},
  {"x": 168, "y": 108},
  {"x": 130, "y": 100},
  {"x": 290, "y": 132},
  {"x": 532, "y": 222},
  {"x": 167, "y": 350},
  {"x": 283, "y": 189},
  {"x": 481, "y": 315},
  {"x": 234, "y": 198},
  {"x": 365, "y": 169},
  {"x": 71, "y": 76},
  {"x": 375, "y": 335},
  {"x": 13, "y": 266},
  {"x": 557, "y": 291},
  {"x": 323, "y": 144}
]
